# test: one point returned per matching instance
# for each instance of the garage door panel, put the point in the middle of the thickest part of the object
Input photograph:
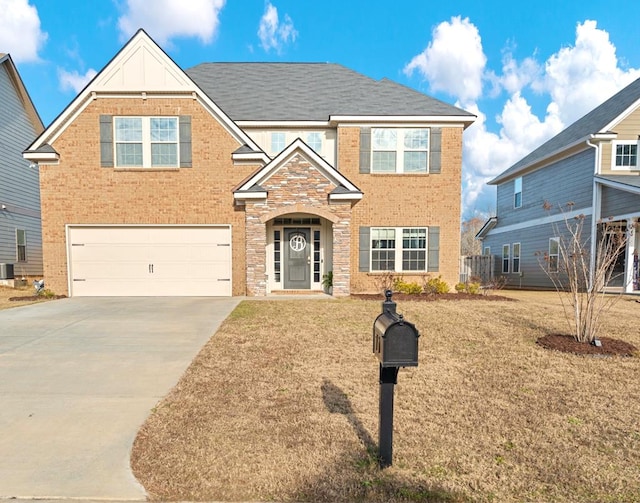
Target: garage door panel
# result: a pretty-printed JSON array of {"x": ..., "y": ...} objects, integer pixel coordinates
[{"x": 153, "y": 261}]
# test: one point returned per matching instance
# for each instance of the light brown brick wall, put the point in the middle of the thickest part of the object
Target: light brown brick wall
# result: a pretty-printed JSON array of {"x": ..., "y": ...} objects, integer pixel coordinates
[
  {"x": 406, "y": 200},
  {"x": 80, "y": 191}
]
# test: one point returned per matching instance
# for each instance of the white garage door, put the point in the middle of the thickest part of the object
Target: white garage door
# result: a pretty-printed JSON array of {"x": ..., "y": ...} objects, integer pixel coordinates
[{"x": 150, "y": 261}]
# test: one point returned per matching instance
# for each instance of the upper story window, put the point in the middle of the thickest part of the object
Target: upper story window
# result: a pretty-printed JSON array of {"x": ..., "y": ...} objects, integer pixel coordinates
[
  {"x": 517, "y": 192},
  {"x": 314, "y": 140},
  {"x": 277, "y": 142},
  {"x": 625, "y": 155},
  {"x": 146, "y": 141},
  {"x": 396, "y": 150}
]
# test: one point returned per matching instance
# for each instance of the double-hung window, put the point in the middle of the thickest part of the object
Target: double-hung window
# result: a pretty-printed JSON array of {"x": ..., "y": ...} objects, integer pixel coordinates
[
  {"x": 397, "y": 150},
  {"x": 515, "y": 261},
  {"x": 314, "y": 140},
  {"x": 21, "y": 245},
  {"x": 517, "y": 192},
  {"x": 554, "y": 254},
  {"x": 505, "y": 258},
  {"x": 625, "y": 155},
  {"x": 399, "y": 249},
  {"x": 277, "y": 142},
  {"x": 146, "y": 142}
]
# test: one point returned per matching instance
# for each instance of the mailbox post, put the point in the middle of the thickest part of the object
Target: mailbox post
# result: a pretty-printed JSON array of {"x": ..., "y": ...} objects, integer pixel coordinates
[{"x": 395, "y": 343}]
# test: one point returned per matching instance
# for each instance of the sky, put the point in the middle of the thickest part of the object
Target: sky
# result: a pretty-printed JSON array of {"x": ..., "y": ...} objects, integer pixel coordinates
[{"x": 526, "y": 69}]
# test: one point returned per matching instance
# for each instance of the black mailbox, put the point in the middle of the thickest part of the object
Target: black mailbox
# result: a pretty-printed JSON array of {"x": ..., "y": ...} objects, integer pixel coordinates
[{"x": 395, "y": 340}]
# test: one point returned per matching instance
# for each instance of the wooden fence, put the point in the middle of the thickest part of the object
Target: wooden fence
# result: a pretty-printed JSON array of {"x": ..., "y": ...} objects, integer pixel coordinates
[{"x": 477, "y": 267}]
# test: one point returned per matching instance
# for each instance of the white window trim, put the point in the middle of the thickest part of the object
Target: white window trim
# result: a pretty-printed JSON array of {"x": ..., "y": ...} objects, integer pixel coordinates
[
  {"x": 513, "y": 258},
  {"x": 400, "y": 150},
  {"x": 399, "y": 249},
  {"x": 146, "y": 141},
  {"x": 506, "y": 259},
  {"x": 614, "y": 146},
  {"x": 517, "y": 189},
  {"x": 557, "y": 255},
  {"x": 487, "y": 251}
]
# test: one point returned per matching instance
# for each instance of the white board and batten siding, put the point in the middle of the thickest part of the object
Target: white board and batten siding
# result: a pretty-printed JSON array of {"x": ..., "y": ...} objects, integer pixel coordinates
[{"x": 149, "y": 261}]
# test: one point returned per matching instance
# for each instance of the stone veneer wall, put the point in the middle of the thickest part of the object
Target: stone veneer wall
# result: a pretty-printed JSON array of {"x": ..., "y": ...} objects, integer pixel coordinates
[{"x": 297, "y": 187}]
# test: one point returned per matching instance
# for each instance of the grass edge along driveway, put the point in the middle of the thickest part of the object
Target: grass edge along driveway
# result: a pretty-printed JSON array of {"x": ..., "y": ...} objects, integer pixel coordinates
[{"x": 281, "y": 404}]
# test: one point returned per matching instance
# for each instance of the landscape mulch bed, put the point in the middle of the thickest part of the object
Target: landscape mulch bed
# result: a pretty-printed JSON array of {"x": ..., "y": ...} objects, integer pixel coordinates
[
  {"x": 31, "y": 298},
  {"x": 568, "y": 344},
  {"x": 423, "y": 297}
]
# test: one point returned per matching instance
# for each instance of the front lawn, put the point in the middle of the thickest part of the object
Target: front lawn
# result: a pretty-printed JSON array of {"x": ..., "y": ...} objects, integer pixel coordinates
[{"x": 282, "y": 404}]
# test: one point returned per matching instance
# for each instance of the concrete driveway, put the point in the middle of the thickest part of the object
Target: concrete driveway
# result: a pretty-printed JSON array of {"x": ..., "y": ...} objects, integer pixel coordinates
[{"x": 79, "y": 376}]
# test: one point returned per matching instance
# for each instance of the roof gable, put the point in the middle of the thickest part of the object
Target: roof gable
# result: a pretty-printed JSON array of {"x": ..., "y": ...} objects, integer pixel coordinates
[
  {"x": 251, "y": 188},
  {"x": 597, "y": 122},
  {"x": 140, "y": 67},
  {"x": 21, "y": 90}
]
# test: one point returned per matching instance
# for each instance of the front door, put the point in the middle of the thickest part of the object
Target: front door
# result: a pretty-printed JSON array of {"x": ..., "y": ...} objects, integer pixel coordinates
[{"x": 297, "y": 259}]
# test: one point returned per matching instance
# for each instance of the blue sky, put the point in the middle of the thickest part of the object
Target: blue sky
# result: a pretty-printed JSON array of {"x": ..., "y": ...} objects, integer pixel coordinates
[{"x": 527, "y": 69}]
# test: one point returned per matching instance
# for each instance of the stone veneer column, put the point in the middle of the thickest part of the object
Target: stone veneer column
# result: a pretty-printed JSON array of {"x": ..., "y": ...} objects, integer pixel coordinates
[
  {"x": 256, "y": 249},
  {"x": 342, "y": 249}
]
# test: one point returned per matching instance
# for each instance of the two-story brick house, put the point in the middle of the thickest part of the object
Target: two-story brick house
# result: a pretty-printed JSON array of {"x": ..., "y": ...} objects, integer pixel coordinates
[
  {"x": 593, "y": 164},
  {"x": 246, "y": 179}
]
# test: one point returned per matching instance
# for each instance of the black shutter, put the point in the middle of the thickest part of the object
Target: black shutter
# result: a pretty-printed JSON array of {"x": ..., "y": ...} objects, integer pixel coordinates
[
  {"x": 435, "y": 149},
  {"x": 185, "y": 141},
  {"x": 106, "y": 141},
  {"x": 363, "y": 248},
  {"x": 365, "y": 150},
  {"x": 433, "y": 254}
]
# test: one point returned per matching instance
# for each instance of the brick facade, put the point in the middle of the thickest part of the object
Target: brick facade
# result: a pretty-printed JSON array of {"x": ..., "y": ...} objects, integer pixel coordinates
[{"x": 401, "y": 200}]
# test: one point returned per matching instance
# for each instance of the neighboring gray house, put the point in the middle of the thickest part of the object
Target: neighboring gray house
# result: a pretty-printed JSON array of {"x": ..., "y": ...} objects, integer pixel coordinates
[
  {"x": 594, "y": 164},
  {"x": 20, "y": 124}
]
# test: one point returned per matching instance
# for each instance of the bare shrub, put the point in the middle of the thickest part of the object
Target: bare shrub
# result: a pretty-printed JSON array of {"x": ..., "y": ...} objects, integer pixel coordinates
[{"x": 580, "y": 283}]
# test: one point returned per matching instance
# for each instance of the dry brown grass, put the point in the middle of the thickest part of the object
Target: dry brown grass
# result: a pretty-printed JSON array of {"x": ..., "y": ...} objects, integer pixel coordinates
[
  {"x": 282, "y": 404},
  {"x": 23, "y": 291}
]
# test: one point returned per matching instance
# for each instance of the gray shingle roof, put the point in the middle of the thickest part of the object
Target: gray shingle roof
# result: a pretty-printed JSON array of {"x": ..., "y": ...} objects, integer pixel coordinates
[
  {"x": 592, "y": 123},
  {"x": 309, "y": 92}
]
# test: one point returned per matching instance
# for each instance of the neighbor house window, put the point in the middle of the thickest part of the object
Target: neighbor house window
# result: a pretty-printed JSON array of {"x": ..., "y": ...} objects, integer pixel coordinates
[
  {"x": 626, "y": 155},
  {"x": 505, "y": 258},
  {"x": 399, "y": 249},
  {"x": 277, "y": 142},
  {"x": 314, "y": 140},
  {"x": 517, "y": 192},
  {"x": 396, "y": 150},
  {"x": 146, "y": 141},
  {"x": 516, "y": 258},
  {"x": 21, "y": 245},
  {"x": 487, "y": 251},
  {"x": 554, "y": 254}
]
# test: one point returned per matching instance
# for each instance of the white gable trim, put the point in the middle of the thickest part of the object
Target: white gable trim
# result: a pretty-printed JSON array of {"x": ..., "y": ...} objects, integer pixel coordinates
[
  {"x": 140, "y": 69},
  {"x": 298, "y": 146},
  {"x": 622, "y": 116}
]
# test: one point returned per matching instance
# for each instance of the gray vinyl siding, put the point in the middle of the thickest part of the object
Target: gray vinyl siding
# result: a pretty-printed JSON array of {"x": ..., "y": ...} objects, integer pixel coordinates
[
  {"x": 570, "y": 179},
  {"x": 618, "y": 202},
  {"x": 19, "y": 184},
  {"x": 532, "y": 240}
]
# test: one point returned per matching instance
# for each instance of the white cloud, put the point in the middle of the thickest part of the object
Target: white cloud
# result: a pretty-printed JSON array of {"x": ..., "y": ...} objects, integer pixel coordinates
[
  {"x": 20, "y": 33},
  {"x": 73, "y": 81},
  {"x": 453, "y": 62},
  {"x": 166, "y": 19},
  {"x": 574, "y": 80},
  {"x": 274, "y": 34},
  {"x": 581, "y": 77}
]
